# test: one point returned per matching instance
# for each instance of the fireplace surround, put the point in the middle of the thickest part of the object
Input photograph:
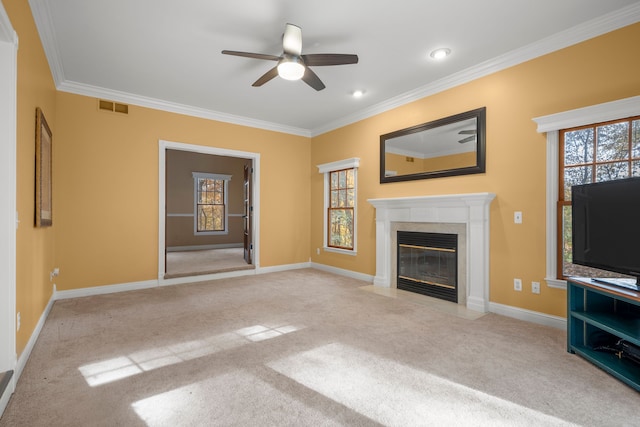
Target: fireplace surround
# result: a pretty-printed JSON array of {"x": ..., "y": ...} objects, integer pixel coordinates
[
  {"x": 427, "y": 263},
  {"x": 466, "y": 215}
]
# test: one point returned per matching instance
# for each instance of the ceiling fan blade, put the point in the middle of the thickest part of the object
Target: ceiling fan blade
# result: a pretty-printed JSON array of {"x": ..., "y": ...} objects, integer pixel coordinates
[
  {"x": 252, "y": 55},
  {"x": 467, "y": 132},
  {"x": 318, "y": 59},
  {"x": 312, "y": 79},
  {"x": 292, "y": 40},
  {"x": 467, "y": 139},
  {"x": 266, "y": 77}
]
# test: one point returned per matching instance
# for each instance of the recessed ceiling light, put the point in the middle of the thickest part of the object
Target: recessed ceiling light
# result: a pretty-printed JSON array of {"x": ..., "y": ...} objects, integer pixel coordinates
[
  {"x": 357, "y": 93},
  {"x": 440, "y": 53}
]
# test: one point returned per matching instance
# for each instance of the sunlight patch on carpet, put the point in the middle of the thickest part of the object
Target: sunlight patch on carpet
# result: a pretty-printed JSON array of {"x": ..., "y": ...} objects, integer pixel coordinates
[
  {"x": 397, "y": 395},
  {"x": 234, "y": 398},
  {"x": 121, "y": 367}
]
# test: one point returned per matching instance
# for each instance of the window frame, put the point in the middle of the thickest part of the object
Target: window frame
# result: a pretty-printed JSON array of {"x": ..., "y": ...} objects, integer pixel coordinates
[
  {"x": 551, "y": 125},
  {"x": 214, "y": 176},
  {"x": 326, "y": 169},
  {"x": 593, "y": 165}
]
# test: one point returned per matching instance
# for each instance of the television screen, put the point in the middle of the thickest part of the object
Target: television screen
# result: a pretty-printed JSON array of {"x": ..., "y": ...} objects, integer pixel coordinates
[{"x": 606, "y": 225}]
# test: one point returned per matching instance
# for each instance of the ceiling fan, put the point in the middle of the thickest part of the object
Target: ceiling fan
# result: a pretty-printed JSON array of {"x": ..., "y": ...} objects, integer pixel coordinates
[
  {"x": 471, "y": 132},
  {"x": 292, "y": 64}
]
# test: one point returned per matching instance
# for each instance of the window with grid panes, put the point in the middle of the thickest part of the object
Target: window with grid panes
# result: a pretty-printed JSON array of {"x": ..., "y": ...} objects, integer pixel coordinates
[
  {"x": 593, "y": 153},
  {"x": 340, "y": 230},
  {"x": 341, "y": 209},
  {"x": 210, "y": 203}
]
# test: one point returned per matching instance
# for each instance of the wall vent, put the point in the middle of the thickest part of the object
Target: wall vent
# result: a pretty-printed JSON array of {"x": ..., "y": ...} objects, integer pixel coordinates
[{"x": 113, "y": 106}]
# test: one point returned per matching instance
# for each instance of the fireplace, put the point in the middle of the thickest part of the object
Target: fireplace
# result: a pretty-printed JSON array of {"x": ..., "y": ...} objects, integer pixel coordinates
[
  {"x": 466, "y": 215},
  {"x": 427, "y": 264}
]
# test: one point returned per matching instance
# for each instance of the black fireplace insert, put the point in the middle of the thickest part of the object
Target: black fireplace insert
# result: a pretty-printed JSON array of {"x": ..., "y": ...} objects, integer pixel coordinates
[{"x": 428, "y": 264}]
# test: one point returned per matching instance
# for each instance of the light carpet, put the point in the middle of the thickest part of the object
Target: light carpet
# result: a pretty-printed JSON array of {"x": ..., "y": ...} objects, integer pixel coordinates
[
  {"x": 302, "y": 347},
  {"x": 208, "y": 261}
]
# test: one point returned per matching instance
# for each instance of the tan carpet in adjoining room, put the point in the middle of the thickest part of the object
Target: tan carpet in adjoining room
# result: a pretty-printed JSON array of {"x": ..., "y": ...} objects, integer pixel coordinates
[
  {"x": 299, "y": 348},
  {"x": 207, "y": 261}
]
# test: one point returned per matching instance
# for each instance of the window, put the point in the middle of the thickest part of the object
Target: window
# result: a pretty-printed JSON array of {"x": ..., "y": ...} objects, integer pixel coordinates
[
  {"x": 593, "y": 153},
  {"x": 210, "y": 203},
  {"x": 341, "y": 207},
  {"x": 340, "y": 186},
  {"x": 551, "y": 125}
]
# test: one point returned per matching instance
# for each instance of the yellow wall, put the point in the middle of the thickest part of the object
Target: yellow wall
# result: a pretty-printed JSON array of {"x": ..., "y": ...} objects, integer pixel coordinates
[
  {"x": 180, "y": 197},
  {"x": 453, "y": 161},
  {"x": 34, "y": 246},
  {"x": 399, "y": 163},
  {"x": 595, "y": 71},
  {"x": 405, "y": 165},
  {"x": 107, "y": 173}
]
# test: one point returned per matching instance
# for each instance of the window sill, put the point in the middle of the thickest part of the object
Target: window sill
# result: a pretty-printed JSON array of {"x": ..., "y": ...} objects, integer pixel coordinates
[
  {"x": 340, "y": 251},
  {"x": 556, "y": 283},
  {"x": 210, "y": 233}
]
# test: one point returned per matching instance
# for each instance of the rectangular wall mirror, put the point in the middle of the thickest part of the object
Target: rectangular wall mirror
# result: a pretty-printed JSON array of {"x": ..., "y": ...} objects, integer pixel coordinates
[{"x": 453, "y": 145}]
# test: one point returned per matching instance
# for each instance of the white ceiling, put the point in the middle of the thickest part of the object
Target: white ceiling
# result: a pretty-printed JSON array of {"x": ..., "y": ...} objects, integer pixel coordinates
[{"x": 166, "y": 53}]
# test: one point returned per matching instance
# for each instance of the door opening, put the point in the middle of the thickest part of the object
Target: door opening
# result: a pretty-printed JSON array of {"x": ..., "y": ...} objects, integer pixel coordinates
[{"x": 183, "y": 249}]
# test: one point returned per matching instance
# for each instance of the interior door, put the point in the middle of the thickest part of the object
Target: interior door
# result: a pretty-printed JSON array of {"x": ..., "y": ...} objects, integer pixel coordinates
[{"x": 248, "y": 214}]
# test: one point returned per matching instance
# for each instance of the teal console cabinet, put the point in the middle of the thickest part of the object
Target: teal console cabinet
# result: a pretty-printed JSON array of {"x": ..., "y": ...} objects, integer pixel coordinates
[{"x": 597, "y": 313}]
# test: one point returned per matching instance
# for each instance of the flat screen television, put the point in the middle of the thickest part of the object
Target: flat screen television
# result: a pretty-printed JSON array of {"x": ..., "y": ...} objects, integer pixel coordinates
[{"x": 606, "y": 228}]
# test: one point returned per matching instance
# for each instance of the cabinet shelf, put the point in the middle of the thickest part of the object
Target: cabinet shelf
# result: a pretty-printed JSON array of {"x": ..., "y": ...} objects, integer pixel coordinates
[
  {"x": 625, "y": 327},
  {"x": 596, "y": 312},
  {"x": 620, "y": 368}
]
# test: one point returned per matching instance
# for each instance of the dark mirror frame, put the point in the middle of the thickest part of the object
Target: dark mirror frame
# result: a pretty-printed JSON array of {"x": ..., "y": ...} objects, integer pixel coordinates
[{"x": 480, "y": 116}]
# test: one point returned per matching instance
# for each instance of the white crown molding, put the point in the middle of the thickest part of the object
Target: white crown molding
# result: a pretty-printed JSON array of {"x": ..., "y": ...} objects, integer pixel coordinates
[
  {"x": 613, "y": 110},
  {"x": 44, "y": 24},
  {"x": 353, "y": 162},
  {"x": 172, "y": 107},
  {"x": 7, "y": 34},
  {"x": 590, "y": 29},
  {"x": 598, "y": 26}
]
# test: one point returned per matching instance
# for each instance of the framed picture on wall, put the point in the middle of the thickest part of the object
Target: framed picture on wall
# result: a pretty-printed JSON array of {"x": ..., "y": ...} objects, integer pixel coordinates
[{"x": 43, "y": 171}]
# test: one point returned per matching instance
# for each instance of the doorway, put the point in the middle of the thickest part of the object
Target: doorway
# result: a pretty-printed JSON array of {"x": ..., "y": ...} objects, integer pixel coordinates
[
  {"x": 8, "y": 215},
  {"x": 185, "y": 250}
]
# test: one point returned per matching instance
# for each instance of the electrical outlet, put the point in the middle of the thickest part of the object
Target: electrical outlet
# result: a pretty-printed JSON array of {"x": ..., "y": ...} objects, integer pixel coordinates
[
  {"x": 517, "y": 284},
  {"x": 535, "y": 287},
  {"x": 18, "y": 321},
  {"x": 317, "y": 251},
  {"x": 517, "y": 217}
]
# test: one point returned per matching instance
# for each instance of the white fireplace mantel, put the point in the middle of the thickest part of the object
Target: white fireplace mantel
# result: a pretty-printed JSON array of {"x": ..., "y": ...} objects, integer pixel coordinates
[{"x": 470, "y": 209}]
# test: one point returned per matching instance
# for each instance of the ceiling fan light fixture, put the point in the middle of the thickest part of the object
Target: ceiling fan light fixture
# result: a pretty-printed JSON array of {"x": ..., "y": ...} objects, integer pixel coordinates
[
  {"x": 290, "y": 68},
  {"x": 440, "y": 53}
]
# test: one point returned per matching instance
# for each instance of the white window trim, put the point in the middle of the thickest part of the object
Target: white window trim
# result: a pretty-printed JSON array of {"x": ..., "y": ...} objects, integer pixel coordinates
[
  {"x": 552, "y": 124},
  {"x": 226, "y": 179},
  {"x": 326, "y": 168},
  {"x": 8, "y": 209}
]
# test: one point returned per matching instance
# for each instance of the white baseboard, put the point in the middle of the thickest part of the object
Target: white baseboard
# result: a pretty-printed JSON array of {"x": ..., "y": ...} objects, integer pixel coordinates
[
  {"x": 284, "y": 267},
  {"x": 528, "y": 315},
  {"x": 26, "y": 353},
  {"x": 204, "y": 247},
  {"x": 105, "y": 289},
  {"x": 205, "y": 277},
  {"x": 505, "y": 310},
  {"x": 343, "y": 272},
  {"x": 6, "y": 394}
]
